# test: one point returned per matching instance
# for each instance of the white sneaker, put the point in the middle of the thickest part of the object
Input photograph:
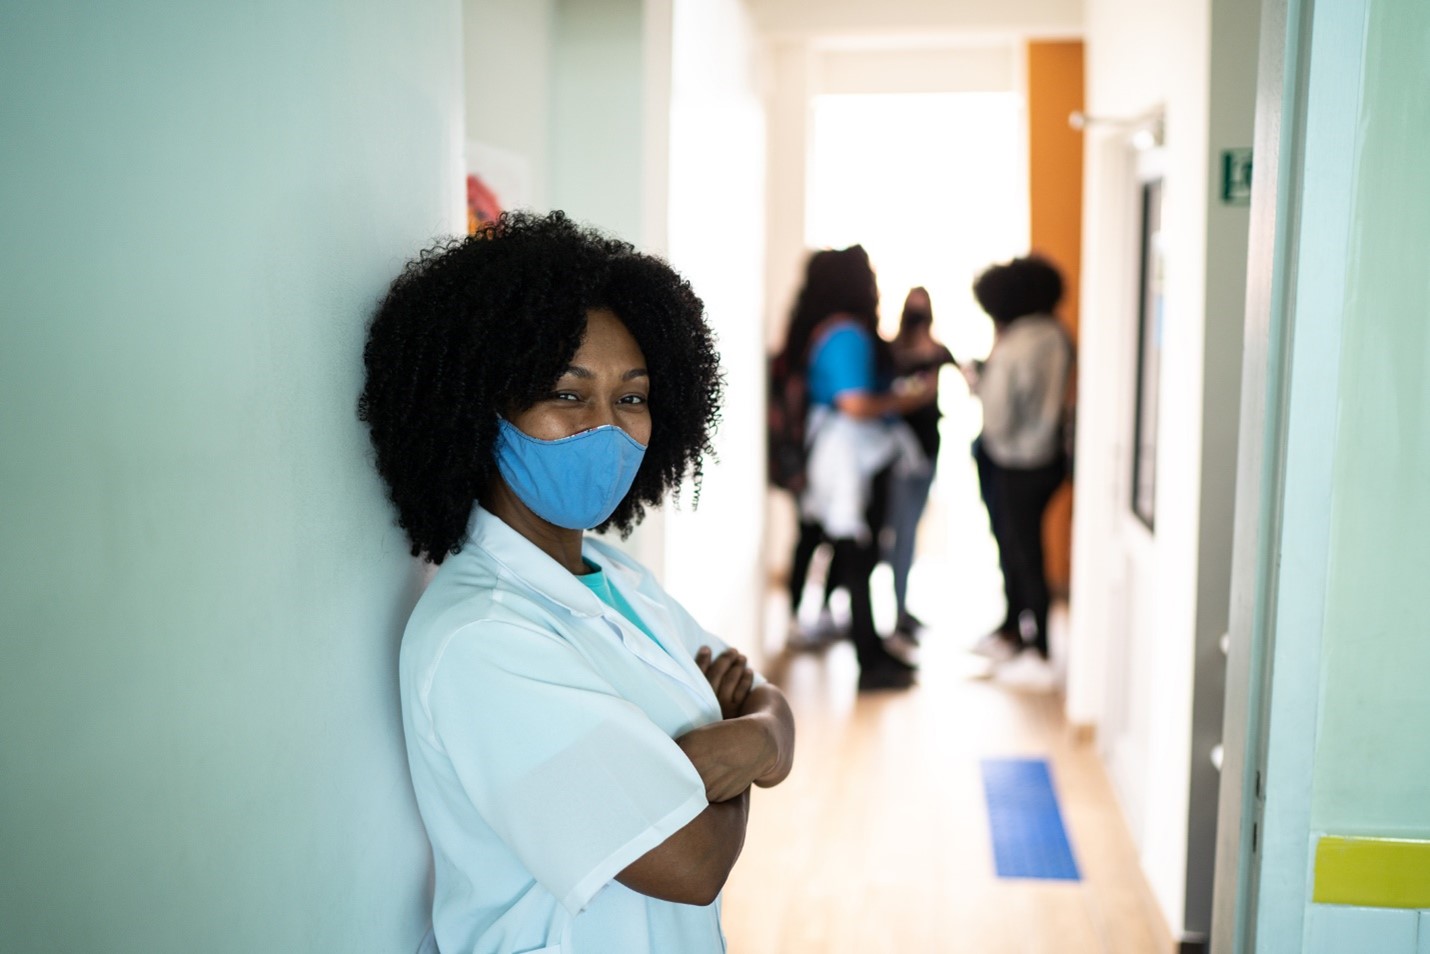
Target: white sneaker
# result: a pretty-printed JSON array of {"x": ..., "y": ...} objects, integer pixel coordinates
[
  {"x": 995, "y": 646},
  {"x": 825, "y": 627},
  {"x": 1027, "y": 671},
  {"x": 816, "y": 635}
]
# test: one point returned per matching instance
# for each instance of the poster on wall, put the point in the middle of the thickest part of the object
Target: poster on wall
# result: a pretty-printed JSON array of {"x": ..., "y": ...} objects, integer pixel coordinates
[
  {"x": 483, "y": 206},
  {"x": 497, "y": 180}
]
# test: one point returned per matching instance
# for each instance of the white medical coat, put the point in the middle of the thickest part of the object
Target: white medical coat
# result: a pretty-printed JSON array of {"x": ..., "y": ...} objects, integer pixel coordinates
[{"x": 540, "y": 726}]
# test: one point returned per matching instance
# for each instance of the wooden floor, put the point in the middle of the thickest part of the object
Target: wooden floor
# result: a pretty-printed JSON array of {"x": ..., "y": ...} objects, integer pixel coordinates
[{"x": 878, "y": 842}]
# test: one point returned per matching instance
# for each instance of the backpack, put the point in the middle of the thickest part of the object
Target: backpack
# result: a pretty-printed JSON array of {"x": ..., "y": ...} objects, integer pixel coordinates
[{"x": 785, "y": 411}]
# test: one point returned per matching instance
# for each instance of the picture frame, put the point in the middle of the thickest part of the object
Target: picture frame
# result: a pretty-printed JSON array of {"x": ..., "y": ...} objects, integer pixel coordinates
[{"x": 1151, "y": 311}]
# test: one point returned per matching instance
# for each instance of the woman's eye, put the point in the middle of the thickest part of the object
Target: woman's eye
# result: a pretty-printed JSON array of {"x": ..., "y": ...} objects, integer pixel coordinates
[
  {"x": 634, "y": 399},
  {"x": 565, "y": 396}
]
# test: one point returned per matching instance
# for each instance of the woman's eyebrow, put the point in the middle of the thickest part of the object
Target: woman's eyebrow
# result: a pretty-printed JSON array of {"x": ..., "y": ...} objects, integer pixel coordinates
[{"x": 576, "y": 371}]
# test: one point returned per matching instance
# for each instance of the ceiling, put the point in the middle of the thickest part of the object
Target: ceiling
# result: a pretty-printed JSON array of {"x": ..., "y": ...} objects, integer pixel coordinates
[{"x": 916, "y": 18}]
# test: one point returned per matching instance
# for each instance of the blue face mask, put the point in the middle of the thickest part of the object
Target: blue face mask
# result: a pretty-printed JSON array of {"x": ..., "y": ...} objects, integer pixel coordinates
[{"x": 575, "y": 482}]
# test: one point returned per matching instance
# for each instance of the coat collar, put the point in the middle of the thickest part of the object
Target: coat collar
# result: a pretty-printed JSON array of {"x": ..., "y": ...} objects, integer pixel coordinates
[
  {"x": 530, "y": 564},
  {"x": 541, "y": 574},
  {"x": 550, "y": 582}
]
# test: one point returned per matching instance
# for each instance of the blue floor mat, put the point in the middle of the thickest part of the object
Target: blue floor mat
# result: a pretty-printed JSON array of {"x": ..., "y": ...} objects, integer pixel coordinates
[{"x": 1029, "y": 840}]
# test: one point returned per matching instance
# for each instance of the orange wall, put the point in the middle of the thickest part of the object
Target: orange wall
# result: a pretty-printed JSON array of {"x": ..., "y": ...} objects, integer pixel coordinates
[{"x": 1055, "y": 87}]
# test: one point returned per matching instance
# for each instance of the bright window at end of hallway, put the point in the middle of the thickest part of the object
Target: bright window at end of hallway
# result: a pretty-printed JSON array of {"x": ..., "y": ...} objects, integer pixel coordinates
[{"x": 933, "y": 185}]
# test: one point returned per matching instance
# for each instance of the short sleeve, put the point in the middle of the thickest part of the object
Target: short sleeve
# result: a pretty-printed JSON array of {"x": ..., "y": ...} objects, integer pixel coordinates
[
  {"x": 693, "y": 635},
  {"x": 577, "y": 781},
  {"x": 841, "y": 364}
]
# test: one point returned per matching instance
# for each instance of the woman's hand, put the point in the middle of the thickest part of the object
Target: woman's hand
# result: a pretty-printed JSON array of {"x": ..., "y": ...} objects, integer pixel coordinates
[
  {"x": 730, "y": 676},
  {"x": 918, "y": 390},
  {"x": 729, "y": 756}
]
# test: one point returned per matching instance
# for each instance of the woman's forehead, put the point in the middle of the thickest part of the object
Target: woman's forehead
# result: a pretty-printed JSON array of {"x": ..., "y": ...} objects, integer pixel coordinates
[{"x": 607, "y": 339}]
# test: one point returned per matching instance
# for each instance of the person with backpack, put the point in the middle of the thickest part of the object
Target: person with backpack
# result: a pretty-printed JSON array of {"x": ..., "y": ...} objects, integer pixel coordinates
[{"x": 854, "y": 438}]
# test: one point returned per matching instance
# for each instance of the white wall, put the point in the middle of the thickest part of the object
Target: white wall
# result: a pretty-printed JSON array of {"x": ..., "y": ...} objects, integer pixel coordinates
[
  {"x": 507, "y": 57},
  {"x": 577, "y": 92},
  {"x": 716, "y": 239},
  {"x": 570, "y": 99},
  {"x": 565, "y": 90},
  {"x": 1146, "y": 607},
  {"x": 860, "y": 17}
]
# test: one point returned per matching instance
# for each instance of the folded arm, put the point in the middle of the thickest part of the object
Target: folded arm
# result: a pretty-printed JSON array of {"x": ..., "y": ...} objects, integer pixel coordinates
[
  {"x": 754, "y": 744},
  {"x": 691, "y": 866}
]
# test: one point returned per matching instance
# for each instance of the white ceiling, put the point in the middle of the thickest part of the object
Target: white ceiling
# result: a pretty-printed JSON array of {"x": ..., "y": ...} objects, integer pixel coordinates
[{"x": 916, "y": 18}]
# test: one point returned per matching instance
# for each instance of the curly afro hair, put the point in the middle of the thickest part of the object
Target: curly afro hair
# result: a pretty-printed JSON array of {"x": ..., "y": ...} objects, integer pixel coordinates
[
  {"x": 484, "y": 326},
  {"x": 1024, "y": 286}
]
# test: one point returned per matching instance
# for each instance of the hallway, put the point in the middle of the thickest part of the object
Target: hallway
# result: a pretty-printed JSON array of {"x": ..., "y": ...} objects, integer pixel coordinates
[
  {"x": 888, "y": 787},
  {"x": 206, "y": 583},
  {"x": 879, "y": 841}
]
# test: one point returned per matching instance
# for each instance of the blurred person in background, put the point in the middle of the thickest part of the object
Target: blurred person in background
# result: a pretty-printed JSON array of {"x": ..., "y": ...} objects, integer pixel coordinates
[
  {"x": 917, "y": 355},
  {"x": 856, "y": 440},
  {"x": 1021, "y": 452}
]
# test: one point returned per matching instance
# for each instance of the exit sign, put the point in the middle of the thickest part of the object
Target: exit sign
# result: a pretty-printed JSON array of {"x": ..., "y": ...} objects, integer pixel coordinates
[{"x": 1236, "y": 176}]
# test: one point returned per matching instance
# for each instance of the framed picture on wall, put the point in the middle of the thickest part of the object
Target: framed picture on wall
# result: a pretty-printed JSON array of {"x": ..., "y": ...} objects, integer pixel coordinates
[{"x": 1150, "y": 316}]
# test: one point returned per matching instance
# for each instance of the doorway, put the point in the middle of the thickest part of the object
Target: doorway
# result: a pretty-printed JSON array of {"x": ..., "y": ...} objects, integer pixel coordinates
[{"x": 934, "y": 186}]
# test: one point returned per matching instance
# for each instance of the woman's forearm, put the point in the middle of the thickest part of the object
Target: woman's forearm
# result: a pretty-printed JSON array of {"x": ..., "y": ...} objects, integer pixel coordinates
[
  {"x": 754, "y": 747},
  {"x": 865, "y": 406},
  {"x": 691, "y": 866},
  {"x": 766, "y": 705}
]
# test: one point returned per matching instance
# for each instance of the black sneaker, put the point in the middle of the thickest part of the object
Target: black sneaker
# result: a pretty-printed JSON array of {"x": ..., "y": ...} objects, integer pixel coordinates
[
  {"x": 908, "y": 627},
  {"x": 908, "y": 621},
  {"x": 887, "y": 672}
]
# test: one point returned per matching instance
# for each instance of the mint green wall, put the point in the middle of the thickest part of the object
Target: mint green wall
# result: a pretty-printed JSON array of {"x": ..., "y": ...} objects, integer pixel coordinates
[
  {"x": 201, "y": 590},
  {"x": 597, "y": 99},
  {"x": 1372, "y": 771}
]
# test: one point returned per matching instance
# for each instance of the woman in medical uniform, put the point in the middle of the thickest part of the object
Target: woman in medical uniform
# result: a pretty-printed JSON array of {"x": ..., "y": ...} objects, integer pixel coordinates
[{"x": 581, "y": 749}]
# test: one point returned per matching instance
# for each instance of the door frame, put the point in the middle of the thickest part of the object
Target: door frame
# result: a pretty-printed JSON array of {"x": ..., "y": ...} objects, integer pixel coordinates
[{"x": 1308, "y": 98}]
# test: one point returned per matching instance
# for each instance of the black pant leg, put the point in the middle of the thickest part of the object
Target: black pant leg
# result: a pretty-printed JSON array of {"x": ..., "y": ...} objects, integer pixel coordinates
[
  {"x": 1024, "y": 496},
  {"x": 810, "y": 537},
  {"x": 831, "y": 577},
  {"x": 988, "y": 489},
  {"x": 855, "y": 562}
]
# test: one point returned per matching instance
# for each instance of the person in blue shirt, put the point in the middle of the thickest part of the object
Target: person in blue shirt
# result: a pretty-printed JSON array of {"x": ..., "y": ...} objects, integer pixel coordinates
[
  {"x": 855, "y": 438},
  {"x": 582, "y": 751}
]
